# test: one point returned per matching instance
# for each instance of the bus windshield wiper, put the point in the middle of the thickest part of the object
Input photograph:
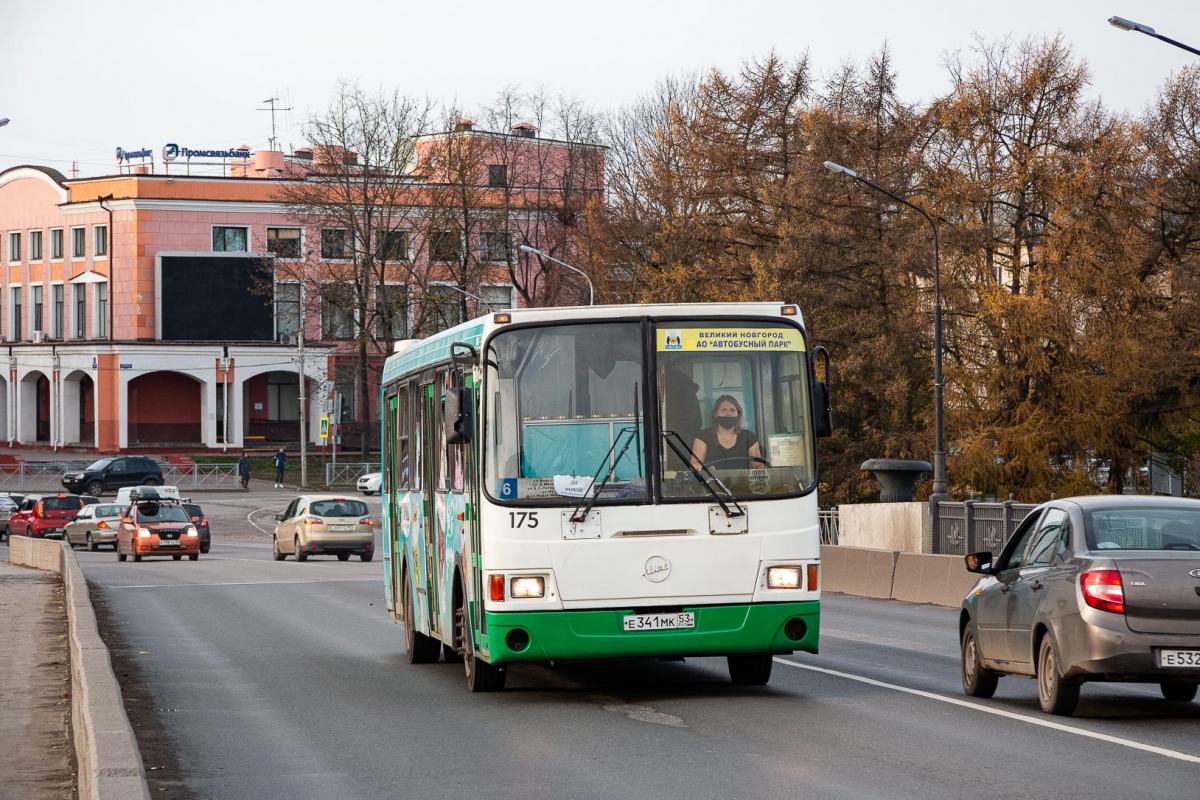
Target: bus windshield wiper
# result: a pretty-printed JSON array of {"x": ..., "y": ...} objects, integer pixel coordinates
[
  {"x": 584, "y": 507},
  {"x": 704, "y": 479}
]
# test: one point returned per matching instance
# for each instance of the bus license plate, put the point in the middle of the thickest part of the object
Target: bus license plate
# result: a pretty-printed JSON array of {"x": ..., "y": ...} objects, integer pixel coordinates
[
  {"x": 1179, "y": 658},
  {"x": 660, "y": 622}
]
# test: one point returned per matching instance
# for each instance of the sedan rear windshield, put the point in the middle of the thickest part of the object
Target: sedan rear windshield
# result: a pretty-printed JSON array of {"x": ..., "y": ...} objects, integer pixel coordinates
[
  {"x": 109, "y": 511},
  {"x": 1143, "y": 529},
  {"x": 339, "y": 508},
  {"x": 61, "y": 504}
]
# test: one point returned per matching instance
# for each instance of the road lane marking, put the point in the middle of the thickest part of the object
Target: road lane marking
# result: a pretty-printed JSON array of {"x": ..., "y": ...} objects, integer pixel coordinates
[
  {"x": 250, "y": 516},
  {"x": 999, "y": 712},
  {"x": 234, "y": 583}
]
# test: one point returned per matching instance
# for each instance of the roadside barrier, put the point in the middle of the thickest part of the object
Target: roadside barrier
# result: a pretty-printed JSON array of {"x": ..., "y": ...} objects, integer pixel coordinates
[
  {"x": 110, "y": 764},
  {"x": 887, "y": 574}
]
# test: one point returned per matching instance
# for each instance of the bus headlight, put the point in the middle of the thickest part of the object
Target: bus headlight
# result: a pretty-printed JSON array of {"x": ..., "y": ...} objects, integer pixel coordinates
[
  {"x": 783, "y": 577},
  {"x": 527, "y": 587}
]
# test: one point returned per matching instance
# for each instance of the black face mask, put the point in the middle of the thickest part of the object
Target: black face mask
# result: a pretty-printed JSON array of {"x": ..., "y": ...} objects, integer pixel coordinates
[{"x": 727, "y": 422}]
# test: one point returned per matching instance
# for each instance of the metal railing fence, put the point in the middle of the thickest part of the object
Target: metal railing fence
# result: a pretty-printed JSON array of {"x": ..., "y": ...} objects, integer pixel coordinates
[
  {"x": 347, "y": 473},
  {"x": 829, "y": 525},
  {"x": 43, "y": 475},
  {"x": 972, "y": 526}
]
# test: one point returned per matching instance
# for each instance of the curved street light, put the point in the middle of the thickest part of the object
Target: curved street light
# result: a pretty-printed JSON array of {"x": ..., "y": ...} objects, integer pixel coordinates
[
  {"x": 591, "y": 289},
  {"x": 1129, "y": 25},
  {"x": 939, "y": 451}
]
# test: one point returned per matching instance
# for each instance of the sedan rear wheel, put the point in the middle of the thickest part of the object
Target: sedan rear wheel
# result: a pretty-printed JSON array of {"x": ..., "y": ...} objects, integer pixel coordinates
[
  {"x": 1056, "y": 694},
  {"x": 368, "y": 555},
  {"x": 343, "y": 556},
  {"x": 91, "y": 543},
  {"x": 1178, "y": 692},
  {"x": 300, "y": 554},
  {"x": 977, "y": 681}
]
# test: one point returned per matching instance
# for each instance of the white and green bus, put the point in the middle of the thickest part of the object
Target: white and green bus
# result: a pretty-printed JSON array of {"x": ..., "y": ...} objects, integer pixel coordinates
[{"x": 605, "y": 482}]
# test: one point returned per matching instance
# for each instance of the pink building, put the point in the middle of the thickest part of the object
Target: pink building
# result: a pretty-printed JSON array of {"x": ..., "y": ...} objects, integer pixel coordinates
[{"x": 163, "y": 309}]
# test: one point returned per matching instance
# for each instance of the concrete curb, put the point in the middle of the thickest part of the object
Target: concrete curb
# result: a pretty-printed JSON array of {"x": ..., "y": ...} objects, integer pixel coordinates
[
  {"x": 110, "y": 764},
  {"x": 890, "y": 575}
]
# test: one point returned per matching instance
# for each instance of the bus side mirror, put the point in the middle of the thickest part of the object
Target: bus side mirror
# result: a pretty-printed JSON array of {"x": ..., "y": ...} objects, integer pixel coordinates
[
  {"x": 822, "y": 412},
  {"x": 460, "y": 418}
]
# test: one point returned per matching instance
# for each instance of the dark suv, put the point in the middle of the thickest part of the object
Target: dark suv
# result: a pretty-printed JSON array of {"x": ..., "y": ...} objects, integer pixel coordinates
[{"x": 113, "y": 473}]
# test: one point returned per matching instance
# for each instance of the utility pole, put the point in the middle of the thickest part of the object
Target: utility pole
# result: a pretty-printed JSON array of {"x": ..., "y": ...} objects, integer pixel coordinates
[
  {"x": 272, "y": 101},
  {"x": 303, "y": 410}
]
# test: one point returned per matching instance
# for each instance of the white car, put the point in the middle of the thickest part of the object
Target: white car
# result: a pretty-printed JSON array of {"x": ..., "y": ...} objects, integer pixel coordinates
[{"x": 370, "y": 483}]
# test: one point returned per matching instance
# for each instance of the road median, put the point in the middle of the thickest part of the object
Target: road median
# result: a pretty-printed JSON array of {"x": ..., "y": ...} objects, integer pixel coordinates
[{"x": 110, "y": 764}]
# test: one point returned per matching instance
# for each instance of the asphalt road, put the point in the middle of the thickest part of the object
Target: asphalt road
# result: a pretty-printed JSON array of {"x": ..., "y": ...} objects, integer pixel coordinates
[{"x": 264, "y": 679}]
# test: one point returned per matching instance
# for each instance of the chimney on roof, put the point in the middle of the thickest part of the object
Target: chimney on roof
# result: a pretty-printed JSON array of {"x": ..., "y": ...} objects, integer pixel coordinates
[
  {"x": 463, "y": 125},
  {"x": 524, "y": 130}
]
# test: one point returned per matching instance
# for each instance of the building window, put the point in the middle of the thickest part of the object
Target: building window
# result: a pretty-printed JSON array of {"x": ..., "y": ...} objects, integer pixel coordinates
[
  {"x": 80, "y": 290},
  {"x": 391, "y": 246},
  {"x": 497, "y": 175},
  {"x": 56, "y": 328},
  {"x": 283, "y": 397},
  {"x": 337, "y": 321},
  {"x": 17, "y": 328},
  {"x": 100, "y": 240},
  {"x": 35, "y": 245},
  {"x": 36, "y": 292},
  {"x": 14, "y": 246},
  {"x": 56, "y": 244},
  {"x": 495, "y": 247},
  {"x": 101, "y": 321},
  {"x": 230, "y": 239},
  {"x": 284, "y": 242},
  {"x": 287, "y": 308},
  {"x": 444, "y": 246},
  {"x": 334, "y": 244},
  {"x": 443, "y": 307},
  {"x": 497, "y": 298},
  {"x": 391, "y": 312},
  {"x": 78, "y": 243}
]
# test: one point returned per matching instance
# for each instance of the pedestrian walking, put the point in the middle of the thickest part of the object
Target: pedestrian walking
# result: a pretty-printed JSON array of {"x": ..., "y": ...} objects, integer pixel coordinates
[
  {"x": 244, "y": 470},
  {"x": 280, "y": 465}
]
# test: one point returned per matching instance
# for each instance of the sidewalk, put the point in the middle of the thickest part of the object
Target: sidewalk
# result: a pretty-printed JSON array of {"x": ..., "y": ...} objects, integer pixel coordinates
[{"x": 37, "y": 756}]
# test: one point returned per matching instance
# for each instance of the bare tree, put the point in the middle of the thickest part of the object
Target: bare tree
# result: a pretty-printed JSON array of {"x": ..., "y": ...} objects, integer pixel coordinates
[{"x": 357, "y": 202}]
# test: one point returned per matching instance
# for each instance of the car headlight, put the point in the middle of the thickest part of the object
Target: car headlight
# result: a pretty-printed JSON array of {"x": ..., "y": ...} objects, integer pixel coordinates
[
  {"x": 783, "y": 577},
  {"x": 527, "y": 587},
  {"x": 143, "y": 533},
  {"x": 191, "y": 531}
]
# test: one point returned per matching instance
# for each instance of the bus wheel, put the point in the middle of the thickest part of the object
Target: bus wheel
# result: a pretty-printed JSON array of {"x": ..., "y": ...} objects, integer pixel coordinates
[
  {"x": 419, "y": 648},
  {"x": 750, "y": 670},
  {"x": 481, "y": 676}
]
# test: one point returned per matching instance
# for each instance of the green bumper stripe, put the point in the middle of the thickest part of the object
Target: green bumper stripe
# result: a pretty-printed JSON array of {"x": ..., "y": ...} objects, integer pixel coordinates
[{"x": 720, "y": 630}]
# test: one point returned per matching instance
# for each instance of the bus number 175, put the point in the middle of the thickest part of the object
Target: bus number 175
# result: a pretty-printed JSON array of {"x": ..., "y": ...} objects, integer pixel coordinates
[{"x": 523, "y": 519}]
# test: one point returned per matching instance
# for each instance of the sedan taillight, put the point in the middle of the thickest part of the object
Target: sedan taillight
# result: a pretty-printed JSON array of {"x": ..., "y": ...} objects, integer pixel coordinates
[
  {"x": 366, "y": 521},
  {"x": 1102, "y": 589}
]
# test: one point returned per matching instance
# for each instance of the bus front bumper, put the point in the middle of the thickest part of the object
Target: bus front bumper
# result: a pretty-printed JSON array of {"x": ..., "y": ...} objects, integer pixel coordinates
[{"x": 585, "y": 635}]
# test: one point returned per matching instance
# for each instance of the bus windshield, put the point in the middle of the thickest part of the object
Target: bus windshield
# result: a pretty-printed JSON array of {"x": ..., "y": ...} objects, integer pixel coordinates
[{"x": 566, "y": 417}]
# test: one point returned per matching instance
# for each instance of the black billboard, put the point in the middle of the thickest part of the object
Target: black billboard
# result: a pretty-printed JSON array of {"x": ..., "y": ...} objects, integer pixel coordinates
[{"x": 216, "y": 298}]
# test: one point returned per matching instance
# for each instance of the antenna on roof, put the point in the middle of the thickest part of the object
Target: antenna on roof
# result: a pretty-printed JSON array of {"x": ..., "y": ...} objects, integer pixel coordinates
[{"x": 272, "y": 101}]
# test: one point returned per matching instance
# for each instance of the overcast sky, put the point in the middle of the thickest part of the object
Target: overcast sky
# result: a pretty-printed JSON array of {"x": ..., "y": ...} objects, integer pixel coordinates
[{"x": 78, "y": 79}]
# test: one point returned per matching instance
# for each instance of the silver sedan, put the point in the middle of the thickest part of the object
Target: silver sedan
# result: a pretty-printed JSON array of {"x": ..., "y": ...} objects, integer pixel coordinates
[
  {"x": 95, "y": 525},
  {"x": 1103, "y": 588}
]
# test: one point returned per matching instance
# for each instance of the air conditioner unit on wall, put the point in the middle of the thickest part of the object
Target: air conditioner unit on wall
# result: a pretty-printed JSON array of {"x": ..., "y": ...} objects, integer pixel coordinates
[
  {"x": 287, "y": 339},
  {"x": 39, "y": 337}
]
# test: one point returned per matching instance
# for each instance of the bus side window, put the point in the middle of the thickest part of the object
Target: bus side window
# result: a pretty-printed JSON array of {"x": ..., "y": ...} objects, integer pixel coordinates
[
  {"x": 438, "y": 446},
  {"x": 416, "y": 418},
  {"x": 402, "y": 435}
]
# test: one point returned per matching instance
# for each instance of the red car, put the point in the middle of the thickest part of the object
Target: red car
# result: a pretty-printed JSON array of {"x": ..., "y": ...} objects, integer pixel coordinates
[{"x": 44, "y": 516}]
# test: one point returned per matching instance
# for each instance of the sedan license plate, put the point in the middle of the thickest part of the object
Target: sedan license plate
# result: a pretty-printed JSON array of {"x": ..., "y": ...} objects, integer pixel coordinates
[
  {"x": 169, "y": 543},
  {"x": 341, "y": 528},
  {"x": 660, "y": 622},
  {"x": 1179, "y": 658}
]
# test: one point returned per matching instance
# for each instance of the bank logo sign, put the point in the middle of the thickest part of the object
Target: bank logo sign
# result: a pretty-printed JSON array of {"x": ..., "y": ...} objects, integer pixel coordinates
[
  {"x": 124, "y": 155},
  {"x": 172, "y": 151}
]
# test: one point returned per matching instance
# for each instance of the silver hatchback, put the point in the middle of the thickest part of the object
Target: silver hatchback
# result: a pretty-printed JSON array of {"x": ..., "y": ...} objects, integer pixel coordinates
[{"x": 1103, "y": 588}]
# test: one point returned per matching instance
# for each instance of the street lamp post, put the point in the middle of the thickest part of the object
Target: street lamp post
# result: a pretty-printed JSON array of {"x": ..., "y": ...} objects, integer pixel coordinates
[
  {"x": 939, "y": 450},
  {"x": 591, "y": 289},
  {"x": 1127, "y": 25}
]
